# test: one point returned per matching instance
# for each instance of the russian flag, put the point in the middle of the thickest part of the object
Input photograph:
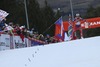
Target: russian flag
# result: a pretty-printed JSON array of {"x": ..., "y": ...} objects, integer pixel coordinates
[{"x": 59, "y": 31}]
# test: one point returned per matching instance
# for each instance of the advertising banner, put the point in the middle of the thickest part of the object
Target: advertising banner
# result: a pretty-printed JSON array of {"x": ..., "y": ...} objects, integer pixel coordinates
[
  {"x": 5, "y": 41},
  {"x": 91, "y": 23}
]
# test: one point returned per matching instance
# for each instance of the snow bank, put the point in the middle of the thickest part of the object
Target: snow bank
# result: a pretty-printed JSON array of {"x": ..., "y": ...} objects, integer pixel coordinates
[{"x": 78, "y": 53}]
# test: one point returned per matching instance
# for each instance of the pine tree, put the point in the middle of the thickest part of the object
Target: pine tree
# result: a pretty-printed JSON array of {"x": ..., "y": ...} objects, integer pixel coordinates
[
  {"x": 34, "y": 13},
  {"x": 15, "y": 10},
  {"x": 49, "y": 19}
]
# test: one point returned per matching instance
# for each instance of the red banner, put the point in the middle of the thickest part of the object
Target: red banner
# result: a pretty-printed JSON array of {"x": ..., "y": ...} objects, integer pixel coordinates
[
  {"x": 85, "y": 24},
  {"x": 91, "y": 23}
]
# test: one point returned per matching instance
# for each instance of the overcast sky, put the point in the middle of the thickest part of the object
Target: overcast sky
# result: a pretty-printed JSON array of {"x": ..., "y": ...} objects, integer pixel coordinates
[
  {"x": 79, "y": 6},
  {"x": 65, "y": 4}
]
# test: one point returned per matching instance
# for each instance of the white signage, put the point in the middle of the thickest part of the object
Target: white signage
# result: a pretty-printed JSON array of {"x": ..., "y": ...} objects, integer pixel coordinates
[{"x": 4, "y": 42}]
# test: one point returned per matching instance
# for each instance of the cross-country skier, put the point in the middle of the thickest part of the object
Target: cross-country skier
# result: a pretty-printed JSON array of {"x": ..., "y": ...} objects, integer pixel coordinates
[{"x": 77, "y": 26}]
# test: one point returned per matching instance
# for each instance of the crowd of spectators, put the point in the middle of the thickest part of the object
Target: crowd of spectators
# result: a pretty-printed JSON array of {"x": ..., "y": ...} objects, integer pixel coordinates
[{"x": 23, "y": 32}]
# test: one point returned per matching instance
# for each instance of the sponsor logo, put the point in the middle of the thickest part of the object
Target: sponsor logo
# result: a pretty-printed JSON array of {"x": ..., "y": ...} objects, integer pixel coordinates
[{"x": 87, "y": 24}]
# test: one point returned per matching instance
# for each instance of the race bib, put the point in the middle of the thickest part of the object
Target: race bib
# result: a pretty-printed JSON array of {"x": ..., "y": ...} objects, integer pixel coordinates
[{"x": 78, "y": 23}]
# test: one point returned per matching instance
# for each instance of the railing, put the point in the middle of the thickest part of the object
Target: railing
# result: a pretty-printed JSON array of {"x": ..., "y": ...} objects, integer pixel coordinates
[{"x": 8, "y": 41}]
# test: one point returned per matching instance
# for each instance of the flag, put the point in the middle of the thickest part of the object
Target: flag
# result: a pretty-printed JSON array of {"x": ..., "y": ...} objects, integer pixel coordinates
[
  {"x": 70, "y": 28},
  {"x": 59, "y": 29},
  {"x": 70, "y": 31},
  {"x": 3, "y": 14}
]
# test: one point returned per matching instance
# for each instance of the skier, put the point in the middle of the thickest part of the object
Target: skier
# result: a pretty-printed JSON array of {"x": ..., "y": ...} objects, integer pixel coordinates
[{"x": 77, "y": 26}]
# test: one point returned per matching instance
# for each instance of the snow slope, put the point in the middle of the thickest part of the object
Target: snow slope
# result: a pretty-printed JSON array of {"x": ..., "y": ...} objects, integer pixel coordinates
[{"x": 79, "y": 53}]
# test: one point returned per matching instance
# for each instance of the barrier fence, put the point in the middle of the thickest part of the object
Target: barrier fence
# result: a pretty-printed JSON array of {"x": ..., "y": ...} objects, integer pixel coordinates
[{"x": 13, "y": 42}]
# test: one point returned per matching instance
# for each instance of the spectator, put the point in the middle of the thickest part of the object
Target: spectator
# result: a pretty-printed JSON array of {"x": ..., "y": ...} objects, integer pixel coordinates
[
  {"x": 25, "y": 32},
  {"x": 17, "y": 28},
  {"x": 47, "y": 39},
  {"x": 42, "y": 37},
  {"x": 2, "y": 23},
  {"x": 0, "y": 29},
  {"x": 9, "y": 28}
]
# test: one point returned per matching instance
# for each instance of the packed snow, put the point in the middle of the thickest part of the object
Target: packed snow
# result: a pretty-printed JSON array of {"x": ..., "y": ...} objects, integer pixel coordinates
[{"x": 78, "y": 53}]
